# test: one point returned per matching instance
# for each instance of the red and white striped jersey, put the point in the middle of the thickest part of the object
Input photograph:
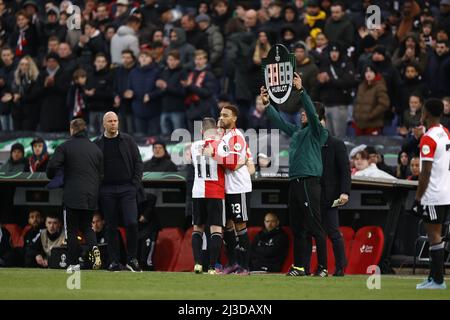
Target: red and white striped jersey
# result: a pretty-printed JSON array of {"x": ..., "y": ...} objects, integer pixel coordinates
[
  {"x": 232, "y": 150},
  {"x": 435, "y": 146},
  {"x": 209, "y": 179}
]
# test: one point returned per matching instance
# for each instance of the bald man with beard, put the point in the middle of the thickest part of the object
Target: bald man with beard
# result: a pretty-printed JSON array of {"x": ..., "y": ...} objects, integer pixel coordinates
[{"x": 120, "y": 190}]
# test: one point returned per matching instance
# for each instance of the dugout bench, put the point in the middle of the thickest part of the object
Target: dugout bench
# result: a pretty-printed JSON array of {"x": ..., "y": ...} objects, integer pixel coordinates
[{"x": 372, "y": 202}]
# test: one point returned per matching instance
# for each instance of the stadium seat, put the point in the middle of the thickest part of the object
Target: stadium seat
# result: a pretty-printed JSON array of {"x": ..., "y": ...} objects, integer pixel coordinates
[
  {"x": 253, "y": 231},
  {"x": 123, "y": 234},
  {"x": 22, "y": 235},
  {"x": 167, "y": 248},
  {"x": 16, "y": 232},
  {"x": 185, "y": 260},
  {"x": 366, "y": 250},
  {"x": 290, "y": 255},
  {"x": 348, "y": 234}
]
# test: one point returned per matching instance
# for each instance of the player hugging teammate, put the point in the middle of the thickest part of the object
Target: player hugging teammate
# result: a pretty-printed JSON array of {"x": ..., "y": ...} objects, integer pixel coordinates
[{"x": 221, "y": 193}]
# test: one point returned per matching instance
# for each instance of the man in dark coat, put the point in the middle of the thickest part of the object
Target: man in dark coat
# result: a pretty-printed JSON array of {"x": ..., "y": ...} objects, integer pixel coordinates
[
  {"x": 437, "y": 72},
  {"x": 99, "y": 92},
  {"x": 173, "y": 114},
  {"x": 54, "y": 83},
  {"x": 82, "y": 163},
  {"x": 270, "y": 246},
  {"x": 121, "y": 75},
  {"x": 121, "y": 188},
  {"x": 336, "y": 185},
  {"x": 6, "y": 93}
]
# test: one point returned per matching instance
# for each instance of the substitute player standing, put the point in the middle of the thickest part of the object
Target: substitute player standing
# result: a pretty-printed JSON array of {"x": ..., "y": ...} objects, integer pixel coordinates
[
  {"x": 238, "y": 186},
  {"x": 208, "y": 195},
  {"x": 432, "y": 202}
]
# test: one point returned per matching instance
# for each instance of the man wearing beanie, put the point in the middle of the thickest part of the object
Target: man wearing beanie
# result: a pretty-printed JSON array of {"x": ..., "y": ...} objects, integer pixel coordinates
[
  {"x": 336, "y": 82},
  {"x": 16, "y": 162}
]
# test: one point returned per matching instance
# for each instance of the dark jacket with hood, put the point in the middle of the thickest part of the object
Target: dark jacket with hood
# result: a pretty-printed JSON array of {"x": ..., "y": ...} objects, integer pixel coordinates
[
  {"x": 15, "y": 166},
  {"x": 142, "y": 81},
  {"x": 338, "y": 90},
  {"x": 268, "y": 250},
  {"x": 82, "y": 163},
  {"x": 186, "y": 50},
  {"x": 38, "y": 163},
  {"x": 408, "y": 87}
]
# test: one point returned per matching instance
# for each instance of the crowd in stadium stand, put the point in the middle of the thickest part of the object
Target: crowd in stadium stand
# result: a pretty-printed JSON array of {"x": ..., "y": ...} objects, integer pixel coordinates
[{"x": 163, "y": 64}]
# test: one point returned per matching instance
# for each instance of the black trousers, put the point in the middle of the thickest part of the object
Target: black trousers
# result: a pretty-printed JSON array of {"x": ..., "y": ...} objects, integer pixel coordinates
[
  {"x": 305, "y": 218},
  {"x": 330, "y": 222},
  {"x": 115, "y": 200},
  {"x": 78, "y": 220}
]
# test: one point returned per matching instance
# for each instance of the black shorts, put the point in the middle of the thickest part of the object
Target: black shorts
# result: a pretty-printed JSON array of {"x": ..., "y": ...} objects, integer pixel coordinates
[
  {"x": 209, "y": 212},
  {"x": 436, "y": 214},
  {"x": 238, "y": 206}
]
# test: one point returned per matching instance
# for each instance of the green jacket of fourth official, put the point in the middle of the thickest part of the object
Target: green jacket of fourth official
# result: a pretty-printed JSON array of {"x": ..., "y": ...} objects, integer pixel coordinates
[{"x": 305, "y": 149}]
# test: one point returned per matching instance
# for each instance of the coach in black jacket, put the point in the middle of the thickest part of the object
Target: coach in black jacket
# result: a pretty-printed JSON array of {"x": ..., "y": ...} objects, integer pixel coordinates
[
  {"x": 82, "y": 163},
  {"x": 121, "y": 189},
  {"x": 336, "y": 184}
]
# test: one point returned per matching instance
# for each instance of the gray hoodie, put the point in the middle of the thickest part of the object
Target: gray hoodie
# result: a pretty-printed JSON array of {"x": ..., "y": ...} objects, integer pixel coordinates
[
  {"x": 125, "y": 38},
  {"x": 186, "y": 50}
]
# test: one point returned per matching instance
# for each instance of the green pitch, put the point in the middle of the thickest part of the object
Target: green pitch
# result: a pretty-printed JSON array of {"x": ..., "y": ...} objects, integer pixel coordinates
[{"x": 51, "y": 284}]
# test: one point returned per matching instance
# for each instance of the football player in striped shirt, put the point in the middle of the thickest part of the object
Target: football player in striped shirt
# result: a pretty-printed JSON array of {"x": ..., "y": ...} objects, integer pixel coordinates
[
  {"x": 432, "y": 201},
  {"x": 208, "y": 195}
]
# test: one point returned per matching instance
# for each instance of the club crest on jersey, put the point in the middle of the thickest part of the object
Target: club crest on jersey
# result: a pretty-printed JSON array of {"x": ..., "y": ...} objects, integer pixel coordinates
[
  {"x": 237, "y": 147},
  {"x": 225, "y": 148},
  {"x": 426, "y": 149}
]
